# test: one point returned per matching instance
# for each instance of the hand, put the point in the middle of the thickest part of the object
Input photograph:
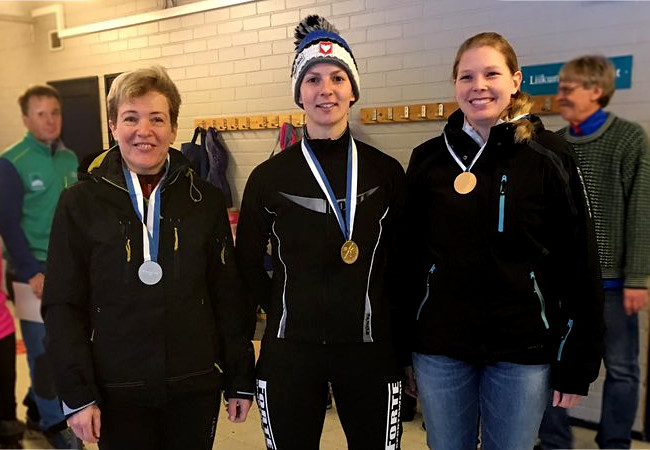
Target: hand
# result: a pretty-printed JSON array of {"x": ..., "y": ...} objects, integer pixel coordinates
[
  {"x": 36, "y": 283},
  {"x": 410, "y": 387},
  {"x": 87, "y": 423},
  {"x": 562, "y": 400},
  {"x": 238, "y": 409},
  {"x": 634, "y": 300}
]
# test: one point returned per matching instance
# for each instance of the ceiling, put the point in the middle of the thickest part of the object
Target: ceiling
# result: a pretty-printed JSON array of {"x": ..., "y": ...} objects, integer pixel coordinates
[{"x": 20, "y": 11}]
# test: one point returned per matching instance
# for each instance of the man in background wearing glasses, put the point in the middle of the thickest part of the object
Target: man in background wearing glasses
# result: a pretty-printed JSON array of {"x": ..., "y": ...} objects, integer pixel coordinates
[{"x": 613, "y": 156}]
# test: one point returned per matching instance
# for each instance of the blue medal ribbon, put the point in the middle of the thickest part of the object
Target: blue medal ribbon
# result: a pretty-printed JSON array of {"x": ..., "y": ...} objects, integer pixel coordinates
[
  {"x": 150, "y": 226},
  {"x": 346, "y": 224}
]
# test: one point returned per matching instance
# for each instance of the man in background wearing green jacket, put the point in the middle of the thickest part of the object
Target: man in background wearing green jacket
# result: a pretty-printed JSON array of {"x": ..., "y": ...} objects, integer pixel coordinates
[{"x": 33, "y": 173}]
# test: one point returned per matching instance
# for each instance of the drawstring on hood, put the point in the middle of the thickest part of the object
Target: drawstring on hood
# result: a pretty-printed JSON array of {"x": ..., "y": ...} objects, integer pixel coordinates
[
  {"x": 193, "y": 187},
  {"x": 107, "y": 166}
]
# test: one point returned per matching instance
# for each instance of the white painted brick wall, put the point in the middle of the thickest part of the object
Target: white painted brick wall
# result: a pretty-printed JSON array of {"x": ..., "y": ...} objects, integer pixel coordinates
[{"x": 237, "y": 60}]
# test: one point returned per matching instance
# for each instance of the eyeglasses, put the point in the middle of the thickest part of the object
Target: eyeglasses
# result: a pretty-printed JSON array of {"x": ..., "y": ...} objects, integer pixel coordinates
[{"x": 567, "y": 90}]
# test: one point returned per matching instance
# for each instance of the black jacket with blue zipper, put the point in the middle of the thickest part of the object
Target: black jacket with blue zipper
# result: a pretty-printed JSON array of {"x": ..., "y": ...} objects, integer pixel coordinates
[
  {"x": 108, "y": 334},
  {"x": 509, "y": 271}
]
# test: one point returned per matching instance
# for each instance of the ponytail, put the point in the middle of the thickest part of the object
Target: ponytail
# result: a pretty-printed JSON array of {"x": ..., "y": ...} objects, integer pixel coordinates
[{"x": 520, "y": 105}]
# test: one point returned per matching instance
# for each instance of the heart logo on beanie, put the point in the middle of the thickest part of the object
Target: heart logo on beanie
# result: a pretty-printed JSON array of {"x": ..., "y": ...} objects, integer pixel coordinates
[{"x": 326, "y": 48}]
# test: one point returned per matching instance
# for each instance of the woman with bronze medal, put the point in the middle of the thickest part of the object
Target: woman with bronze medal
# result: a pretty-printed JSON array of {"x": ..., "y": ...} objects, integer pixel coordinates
[
  {"x": 330, "y": 206},
  {"x": 145, "y": 314},
  {"x": 503, "y": 290}
]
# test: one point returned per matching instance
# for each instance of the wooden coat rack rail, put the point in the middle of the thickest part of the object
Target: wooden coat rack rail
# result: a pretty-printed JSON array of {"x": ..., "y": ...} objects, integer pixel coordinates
[
  {"x": 256, "y": 122},
  {"x": 544, "y": 104}
]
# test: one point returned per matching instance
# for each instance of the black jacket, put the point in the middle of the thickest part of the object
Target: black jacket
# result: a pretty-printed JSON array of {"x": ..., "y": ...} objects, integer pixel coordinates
[
  {"x": 107, "y": 332},
  {"x": 508, "y": 272},
  {"x": 314, "y": 296}
]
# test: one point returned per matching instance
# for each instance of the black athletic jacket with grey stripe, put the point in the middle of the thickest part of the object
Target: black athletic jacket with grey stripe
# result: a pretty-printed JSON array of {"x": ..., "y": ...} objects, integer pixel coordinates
[
  {"x": 313, "y": 296},
  {"x": 509, "y": 271}
]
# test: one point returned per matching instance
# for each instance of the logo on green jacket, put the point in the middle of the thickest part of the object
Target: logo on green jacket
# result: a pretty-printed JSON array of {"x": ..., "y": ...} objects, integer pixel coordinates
[{"x": 36, "y": 182}]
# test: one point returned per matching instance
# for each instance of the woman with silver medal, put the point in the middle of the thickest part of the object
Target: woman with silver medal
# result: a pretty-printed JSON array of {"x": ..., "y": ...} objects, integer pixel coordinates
[
  {"x": 502, "y": 289},
  {"x": 330, "y": 206},
  {"x": 145, "y": 314}
]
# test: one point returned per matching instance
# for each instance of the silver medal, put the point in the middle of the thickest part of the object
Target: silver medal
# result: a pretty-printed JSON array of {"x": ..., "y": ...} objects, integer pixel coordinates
[{"x": 150, "y": 272}]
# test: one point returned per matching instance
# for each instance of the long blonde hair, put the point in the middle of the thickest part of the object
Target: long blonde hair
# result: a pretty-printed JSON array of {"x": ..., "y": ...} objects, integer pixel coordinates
[{"x": 520, "y": 102}]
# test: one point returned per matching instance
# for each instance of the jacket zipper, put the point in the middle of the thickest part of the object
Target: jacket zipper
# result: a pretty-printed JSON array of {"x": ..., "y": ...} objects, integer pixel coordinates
[
  {"x": 566, "y": 336},
  {"x": 426, "y": 295},
  {"x": 540, "y": 296},
  {"x": 115, "y": 184},
  {"x": 502, "y": 201}
]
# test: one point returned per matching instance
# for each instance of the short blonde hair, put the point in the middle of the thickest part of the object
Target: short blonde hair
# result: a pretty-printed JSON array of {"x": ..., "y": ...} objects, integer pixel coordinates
[
  {"x": 592, "y": 70},
  {"x": 134, "y": 84}
]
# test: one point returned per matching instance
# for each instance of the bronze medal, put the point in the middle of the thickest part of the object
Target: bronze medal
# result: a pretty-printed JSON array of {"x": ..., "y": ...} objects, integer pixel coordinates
[
  {"x": 465, "y": 183},
  {"x": 349, "y": 252}
]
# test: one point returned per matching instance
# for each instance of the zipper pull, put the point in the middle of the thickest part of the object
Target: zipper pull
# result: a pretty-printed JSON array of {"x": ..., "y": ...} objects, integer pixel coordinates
[
  {"x": 502, "y": 186},
  {"x": 502, "y": 202}
]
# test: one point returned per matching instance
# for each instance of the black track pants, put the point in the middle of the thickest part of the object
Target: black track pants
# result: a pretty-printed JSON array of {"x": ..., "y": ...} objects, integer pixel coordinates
[
  {"x": 188, "y": 422},
  {"x": 292, "y": 394}
]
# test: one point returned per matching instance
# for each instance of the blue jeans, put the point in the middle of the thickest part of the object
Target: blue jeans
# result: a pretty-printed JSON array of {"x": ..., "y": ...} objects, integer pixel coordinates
[
  {"x": 42, "y": 389},
  {"x": 508, "y": 399},
  {"x": 621, "y": 388}
]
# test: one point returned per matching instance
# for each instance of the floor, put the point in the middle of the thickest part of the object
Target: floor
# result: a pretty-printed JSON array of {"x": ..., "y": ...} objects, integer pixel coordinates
[{"x": 248, "y": 436}]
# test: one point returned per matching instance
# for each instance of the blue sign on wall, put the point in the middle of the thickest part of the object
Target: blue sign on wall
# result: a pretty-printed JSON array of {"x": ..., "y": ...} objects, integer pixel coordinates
[{"x": 543, "y": 79}]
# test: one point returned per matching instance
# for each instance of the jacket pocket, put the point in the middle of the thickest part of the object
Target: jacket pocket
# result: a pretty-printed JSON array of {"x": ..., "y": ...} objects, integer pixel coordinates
[
  {"x": 198, "y": 373},
  {"x": 427, "y": 292},
  {"x": 124, "y": 385},
  {"x": 502, "y": 202},
  {"x": 540, "y": 297}
]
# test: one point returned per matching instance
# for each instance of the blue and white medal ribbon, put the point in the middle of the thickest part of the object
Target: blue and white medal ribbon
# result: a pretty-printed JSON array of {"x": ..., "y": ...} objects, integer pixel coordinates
[
  {"x": 349, "y": 250},
  {"x": 150, "y": 272}
]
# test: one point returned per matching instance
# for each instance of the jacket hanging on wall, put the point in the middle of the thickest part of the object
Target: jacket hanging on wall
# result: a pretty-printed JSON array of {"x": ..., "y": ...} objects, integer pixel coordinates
[
  {"x": 287, "y": 136},
  {"x": 218, "y": 164},
  {"x": 197, "y": 153},
  {"x": 209, "y": 159}
]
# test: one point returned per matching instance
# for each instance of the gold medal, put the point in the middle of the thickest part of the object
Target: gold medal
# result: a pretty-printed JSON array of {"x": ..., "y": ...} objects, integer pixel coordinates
[
  {"x": 349, "y": 252},
  {"x": 465, "y": 183}
]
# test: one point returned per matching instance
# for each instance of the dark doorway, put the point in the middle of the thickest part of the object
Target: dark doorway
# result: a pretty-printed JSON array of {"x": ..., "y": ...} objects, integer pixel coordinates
[
  {"x": 82, "y": 122},
  {"x": 108, "y": 82}
]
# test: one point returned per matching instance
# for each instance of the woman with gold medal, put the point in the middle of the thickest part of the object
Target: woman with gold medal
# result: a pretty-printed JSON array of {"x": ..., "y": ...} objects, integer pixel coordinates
[
  {"x": 330, "y": 206},
  {"x": 503, "y": 293}
]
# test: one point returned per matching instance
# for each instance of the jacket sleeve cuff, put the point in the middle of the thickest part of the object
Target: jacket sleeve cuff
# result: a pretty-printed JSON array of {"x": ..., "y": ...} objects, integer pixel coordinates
[
  {"x": 235, "y": 393},
  {"x": 28, "y": 270},
  {"x": 563, "y": 379},
  {"x": 240, "y": 373},
  {"x": 635, "y": 281},
  {"x": 67, "y": 411},
  {"x": 81, "y": 397}
]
